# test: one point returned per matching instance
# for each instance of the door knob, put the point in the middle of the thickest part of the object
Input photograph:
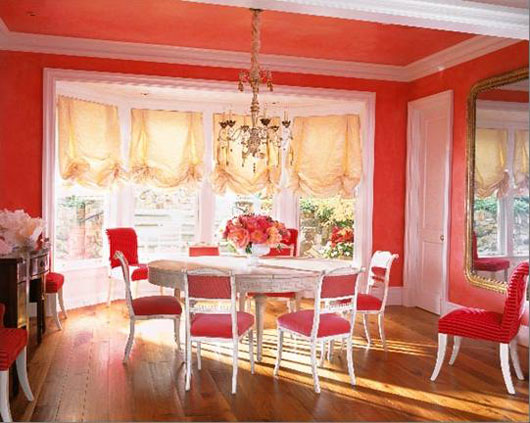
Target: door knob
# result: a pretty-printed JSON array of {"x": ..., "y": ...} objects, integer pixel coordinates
[{"x": 442, "y": 237}]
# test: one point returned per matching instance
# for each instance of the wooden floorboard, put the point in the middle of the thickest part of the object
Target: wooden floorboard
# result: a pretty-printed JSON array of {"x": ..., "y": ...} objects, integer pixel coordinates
[{"x": 77, "y": 375}]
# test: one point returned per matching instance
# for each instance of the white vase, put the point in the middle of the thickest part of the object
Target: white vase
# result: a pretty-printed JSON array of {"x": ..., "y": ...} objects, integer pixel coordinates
[{"x": 257, "y": 251}]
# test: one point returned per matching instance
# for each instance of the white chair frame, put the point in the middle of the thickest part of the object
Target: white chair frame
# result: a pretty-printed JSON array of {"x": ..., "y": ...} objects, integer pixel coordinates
[
  {"x": 111, "y": 286},
  {"x": 52, "y": 300},
  {"x": 331, "y": 305},
  {"x": 505, "y": 351},
  {"x": 22, "y": 371},
  {"x": 382, "y": 259},
  {"x": 133, "y": 317},
  {"x": 191, "y": 308}
]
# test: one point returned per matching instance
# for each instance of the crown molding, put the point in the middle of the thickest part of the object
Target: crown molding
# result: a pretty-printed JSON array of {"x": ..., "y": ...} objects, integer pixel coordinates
[
  {"x": 84, "y": 47},
  {"x": 453, "y": 15}
]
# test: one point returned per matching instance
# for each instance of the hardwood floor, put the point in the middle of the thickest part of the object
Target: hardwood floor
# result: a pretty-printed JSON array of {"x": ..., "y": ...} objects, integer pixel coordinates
[{"x": 77, "y": 375}]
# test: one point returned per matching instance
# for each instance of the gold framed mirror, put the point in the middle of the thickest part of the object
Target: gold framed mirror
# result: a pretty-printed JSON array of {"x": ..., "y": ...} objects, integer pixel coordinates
[{"x": 497, "y": 179}]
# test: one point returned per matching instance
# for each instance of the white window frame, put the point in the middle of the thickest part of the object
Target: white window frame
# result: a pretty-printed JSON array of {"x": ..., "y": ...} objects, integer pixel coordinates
[
  {"x": 285, "y": 204},
  {"x": 510, "y": 117}
]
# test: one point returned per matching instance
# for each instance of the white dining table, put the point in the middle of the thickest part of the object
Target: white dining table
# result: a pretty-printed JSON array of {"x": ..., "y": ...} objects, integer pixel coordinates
[{"x": 272, "y": 274}]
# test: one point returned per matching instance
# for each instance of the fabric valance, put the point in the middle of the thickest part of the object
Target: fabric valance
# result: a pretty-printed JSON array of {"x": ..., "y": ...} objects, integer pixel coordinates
[
  {"x": 167, "y": 148},
  {"x": 490, "y": 162},
  {"x": 520, "y": 160},
  {"x": 89, "y": 142}
]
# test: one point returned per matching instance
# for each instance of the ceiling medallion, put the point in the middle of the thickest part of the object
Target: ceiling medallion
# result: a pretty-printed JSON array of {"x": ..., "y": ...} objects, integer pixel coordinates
[{"x": 260, "y": 137}]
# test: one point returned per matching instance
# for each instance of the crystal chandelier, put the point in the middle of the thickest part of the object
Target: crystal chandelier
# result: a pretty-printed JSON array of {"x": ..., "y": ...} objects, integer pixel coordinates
[{"x": 258, "y": 137}]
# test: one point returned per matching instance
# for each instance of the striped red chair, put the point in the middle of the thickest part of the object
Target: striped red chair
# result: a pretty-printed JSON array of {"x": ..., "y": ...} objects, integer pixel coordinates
[
  {"x": 489, "y": 326},
  {"x": 203, "y": 250},
  {"x": 12, "y": 348},
  {"x": 338, "y": 291},
  {"x": 214, "y": 323},
  {"x": 147, "y": 308},
  {"x": 489, "y": 264},
  {"x": 290, "y": 250},
  {"x": 126, "y": 241},
  {"x": 54, "y": 292}
]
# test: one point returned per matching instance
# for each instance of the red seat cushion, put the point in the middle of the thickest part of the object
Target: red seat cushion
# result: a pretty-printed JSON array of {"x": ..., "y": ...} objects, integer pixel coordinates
[
  {"x": 12, "y": 341},
  {"x": 366, "y": 302},
  {"x": 491, "y": 264},
  {"x": 54, "y": 282},
  {"x": 156, "y": 304},
  {"x": 302, "y": 322},
  {"x": 220, "y": 325},
  {"x": 473, "y": 323},
  {"x": 140, "y": 273},
  {"x": 275, "y": 294}
]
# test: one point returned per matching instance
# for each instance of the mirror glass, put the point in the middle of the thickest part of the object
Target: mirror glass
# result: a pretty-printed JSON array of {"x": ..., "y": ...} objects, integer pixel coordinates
[{"x": 500, "y": 206}]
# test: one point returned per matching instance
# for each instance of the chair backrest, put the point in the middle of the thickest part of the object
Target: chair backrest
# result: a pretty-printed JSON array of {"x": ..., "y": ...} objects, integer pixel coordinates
[
  {"x": 203, "y": 250},
  {"x": 207, "y": 285},
  {"x": 291, "y": 248},
  {"x": 122, "y": 260},
  {"x": 124, "y": 240},
  {"x": 379, "y": 272},
  {"x": 338, "y": 290},
  {"x": 514, "y": 304}
]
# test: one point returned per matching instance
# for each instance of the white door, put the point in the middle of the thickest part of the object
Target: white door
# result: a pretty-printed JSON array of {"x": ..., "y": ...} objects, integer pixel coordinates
[{"x": 430, "y": 130}]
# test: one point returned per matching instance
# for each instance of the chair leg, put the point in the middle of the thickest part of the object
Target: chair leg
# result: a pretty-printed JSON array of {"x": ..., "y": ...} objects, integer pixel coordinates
[
  {"x": 442, "y": 344},
  {"x": 5, "y": 411},
  {"x": 251, "y": 350},
  {"x": 22, "y": 371},
  {"x": 297, "y": 301},
  {"x": 366, "y": 329},
  {"x": 515, "y": 359},
  {"x": 279, "y": 353},
  {"x": 235, "y": 365},
  {"x": 176, "y": 329},
  {"x": 290, "y": 305},
  {"x": 130, "y": 341},
  {"x": 330, "y": 350},
  {"x": 109, "y": 293},
  {"x": 188, "y": 362},
  {"x": 52, "y": 299},
  {"x": 61, "y": 303},
  {"x": 349, "y": 355},
  {"x": 199, "y": 362},
  {"x": 380, "y": 321},
  {"x": 457, "y": 340},
  {"x": 316, "y": 383},
  {"x": 505, "y": 367}
]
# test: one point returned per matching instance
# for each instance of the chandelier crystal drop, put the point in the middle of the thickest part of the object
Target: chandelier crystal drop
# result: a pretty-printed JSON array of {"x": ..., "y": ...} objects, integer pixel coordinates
[{"x": 260, "y": 137}]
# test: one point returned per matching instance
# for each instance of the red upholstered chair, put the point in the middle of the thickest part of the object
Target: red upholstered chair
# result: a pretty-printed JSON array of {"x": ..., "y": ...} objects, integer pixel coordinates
[
  {"x": 489, "y": 264},
  {"x": 126, "y": 241},
  {"x": 209, "y": 321},
  {"x": 146, "y": 308},
  {"x": 54, "y": 292},
  {"x": 203, "y": 250},
  {"x": 323, "y": 324},
  {"x": 12, "y": 348},
  {"x": 489, "y": 326},
  {"x": 290, "y": 250}
]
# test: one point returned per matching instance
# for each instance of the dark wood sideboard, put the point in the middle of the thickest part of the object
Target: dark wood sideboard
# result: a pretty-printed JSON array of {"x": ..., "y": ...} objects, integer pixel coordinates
[{"x": 22, "y": 280}]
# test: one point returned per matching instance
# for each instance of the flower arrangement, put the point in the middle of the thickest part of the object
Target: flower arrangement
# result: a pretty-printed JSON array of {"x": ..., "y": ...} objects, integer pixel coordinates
[
  {"x": 340, "y": 244},
  {"x": 18, "y": 230},
  {"x": 248, "y": 230}
]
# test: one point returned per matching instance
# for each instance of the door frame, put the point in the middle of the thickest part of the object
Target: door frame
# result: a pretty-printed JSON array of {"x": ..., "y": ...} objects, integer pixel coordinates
[{"x": 412, "y": 206}]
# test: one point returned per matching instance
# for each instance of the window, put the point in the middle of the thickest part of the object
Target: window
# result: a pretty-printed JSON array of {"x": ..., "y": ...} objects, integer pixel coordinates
[
  {"x": 165, "y": 221},
  {"x": 230, "y": 205},
  {"x": 487, "y": 222},
  {"x": 326, "y": 227},
  {"x": 520, "y": 224},
  {"x": 79, "y": 237}
]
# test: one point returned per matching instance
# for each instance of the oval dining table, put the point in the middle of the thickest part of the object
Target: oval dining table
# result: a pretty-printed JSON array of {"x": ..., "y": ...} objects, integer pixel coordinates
[{"x": 278, "y": 274}]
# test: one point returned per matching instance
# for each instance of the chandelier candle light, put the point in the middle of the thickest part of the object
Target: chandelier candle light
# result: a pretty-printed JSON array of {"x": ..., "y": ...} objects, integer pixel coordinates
[{"x": 261, "y": 135}]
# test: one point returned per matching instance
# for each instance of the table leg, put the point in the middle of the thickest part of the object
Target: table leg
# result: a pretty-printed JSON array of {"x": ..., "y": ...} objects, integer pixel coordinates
[
  {"x": 242, "y": 301},
  {"x": 260, "y": 301}
]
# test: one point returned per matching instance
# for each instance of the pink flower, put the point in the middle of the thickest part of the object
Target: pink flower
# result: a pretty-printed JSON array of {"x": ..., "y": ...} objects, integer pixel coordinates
[
  {"x": 5, "y": 248},
  {"x": 239, "y": 237},
  {"x": 258, "y": 237}
]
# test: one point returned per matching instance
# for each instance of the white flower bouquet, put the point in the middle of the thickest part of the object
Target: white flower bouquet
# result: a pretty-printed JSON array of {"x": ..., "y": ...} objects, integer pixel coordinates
[{"x": 18, "y": 230}]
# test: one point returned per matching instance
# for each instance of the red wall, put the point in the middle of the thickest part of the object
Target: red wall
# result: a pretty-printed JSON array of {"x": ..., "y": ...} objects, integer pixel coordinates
[
  {"x": 505, "y": 95},
  {"x": 460, "y": 79},
  {"x": 21, "y": 76}
]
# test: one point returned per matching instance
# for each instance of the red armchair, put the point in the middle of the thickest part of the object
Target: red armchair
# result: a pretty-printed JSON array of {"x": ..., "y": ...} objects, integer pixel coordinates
[
  {"x": 489, "y": 326},
  {"x": 12, "y": 348}
]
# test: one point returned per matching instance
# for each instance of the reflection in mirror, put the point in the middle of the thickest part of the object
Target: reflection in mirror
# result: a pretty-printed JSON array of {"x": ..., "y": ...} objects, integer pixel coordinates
[{"x": 501, "y": 205}]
